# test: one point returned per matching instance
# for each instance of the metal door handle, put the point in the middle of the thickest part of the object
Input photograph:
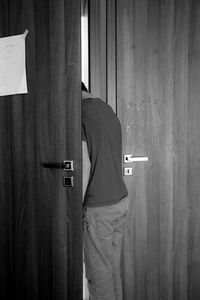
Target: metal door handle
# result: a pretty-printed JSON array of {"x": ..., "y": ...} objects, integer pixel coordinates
[
  {"x": 66, "y": 165},
  {"x": 128, "y": 158}
]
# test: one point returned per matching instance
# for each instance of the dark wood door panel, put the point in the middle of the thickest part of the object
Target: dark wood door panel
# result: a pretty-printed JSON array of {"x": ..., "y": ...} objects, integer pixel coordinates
[{"x": 40, "y": 243}]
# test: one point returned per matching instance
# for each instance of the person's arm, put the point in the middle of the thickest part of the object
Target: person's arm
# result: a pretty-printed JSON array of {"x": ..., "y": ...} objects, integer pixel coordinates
[{"x": 86, "y": 166}]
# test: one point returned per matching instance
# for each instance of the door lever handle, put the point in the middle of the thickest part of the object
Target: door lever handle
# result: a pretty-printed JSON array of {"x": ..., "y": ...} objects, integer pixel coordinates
[
  {"x": 128, "y": 158},
  {"x": 66, "y": 165}
]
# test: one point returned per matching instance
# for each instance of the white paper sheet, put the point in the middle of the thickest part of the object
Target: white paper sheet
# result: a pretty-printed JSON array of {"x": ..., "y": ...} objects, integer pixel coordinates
[{"x": 12, "y": 65}]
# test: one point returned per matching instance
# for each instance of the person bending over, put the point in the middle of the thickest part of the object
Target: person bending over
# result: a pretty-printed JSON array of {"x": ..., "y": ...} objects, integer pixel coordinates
[{"x": 105, "y": 201}]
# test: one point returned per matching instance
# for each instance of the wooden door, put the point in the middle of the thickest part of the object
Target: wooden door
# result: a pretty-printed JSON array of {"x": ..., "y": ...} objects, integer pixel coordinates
[
  {"x": 40, "y": 219},
  {"x": 151, "y": 50}
]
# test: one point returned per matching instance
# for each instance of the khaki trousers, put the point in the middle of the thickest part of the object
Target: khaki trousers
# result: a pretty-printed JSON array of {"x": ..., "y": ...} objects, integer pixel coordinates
[{"x": 103, "y": 230}]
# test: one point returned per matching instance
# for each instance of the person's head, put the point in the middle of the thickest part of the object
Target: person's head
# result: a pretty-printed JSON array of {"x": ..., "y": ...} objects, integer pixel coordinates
[{"x": 83, "y": 87}]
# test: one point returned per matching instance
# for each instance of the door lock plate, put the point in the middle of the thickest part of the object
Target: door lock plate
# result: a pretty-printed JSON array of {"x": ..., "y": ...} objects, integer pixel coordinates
[
  {"x": 68, "y": 181},
  {"x": 128, "y": 171}
]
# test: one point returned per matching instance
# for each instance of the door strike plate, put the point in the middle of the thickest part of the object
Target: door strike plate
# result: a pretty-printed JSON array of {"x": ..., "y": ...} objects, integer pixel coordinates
[
  {"x": 68, "y": 181},
  {"x": 68, "y": 165}
]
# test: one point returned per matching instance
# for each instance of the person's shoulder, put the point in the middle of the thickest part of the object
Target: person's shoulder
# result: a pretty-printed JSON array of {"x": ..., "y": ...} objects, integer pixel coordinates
[
  {"x": 91, "y": 104},
  {"x": 97, "y": 110},
  {"x": 96, "y": 103}
]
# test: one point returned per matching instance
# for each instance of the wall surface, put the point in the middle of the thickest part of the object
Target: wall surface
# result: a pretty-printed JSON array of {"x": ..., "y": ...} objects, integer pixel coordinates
[{"x": 149, "y": 71}]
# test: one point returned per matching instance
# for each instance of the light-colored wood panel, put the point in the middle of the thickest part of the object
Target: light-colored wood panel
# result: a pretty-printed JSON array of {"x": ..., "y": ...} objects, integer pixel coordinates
[
  {"x": 166, "y": 150},
  {"x": 154, "y": 179},
  {"x": 131, "y": 32},
  {"x": 157, "y": 75},
  {"x": 180, "y": 148},
  {"x": 194, "y": 155}
]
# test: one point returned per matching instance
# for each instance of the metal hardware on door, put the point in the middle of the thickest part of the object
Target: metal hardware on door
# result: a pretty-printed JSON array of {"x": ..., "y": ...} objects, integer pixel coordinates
[
  {"x": 68, "y": 181},
  {"x": 66, "y": 165},
  {"x": 128, "y": 171},
  {"x": 128, "y": 158}
]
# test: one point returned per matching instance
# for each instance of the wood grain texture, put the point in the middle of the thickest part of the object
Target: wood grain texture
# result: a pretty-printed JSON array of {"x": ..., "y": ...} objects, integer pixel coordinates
[
  {"x": 111, "y": 54},
  {"x": 194, "y": 154},
  {"x": 153, "y": 114},
  {"x": 126, "y": 106},
  {"x": 40, "y": 242},
  {"x": 166, "y": 150},
  {"x": 98, "y": 72},
  {"x": 156, "y": 74},
  {"x": 180, "y": 148}
]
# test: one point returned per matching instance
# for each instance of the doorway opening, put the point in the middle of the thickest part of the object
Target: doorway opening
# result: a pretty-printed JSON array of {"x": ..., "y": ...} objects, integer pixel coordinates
[
  {"x": 85, "y": 80},
  {"x": 84, "y": 44}
]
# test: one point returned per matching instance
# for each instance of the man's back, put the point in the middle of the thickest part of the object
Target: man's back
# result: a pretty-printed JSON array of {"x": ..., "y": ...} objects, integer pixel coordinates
[{"x": 101, "y": 130}]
